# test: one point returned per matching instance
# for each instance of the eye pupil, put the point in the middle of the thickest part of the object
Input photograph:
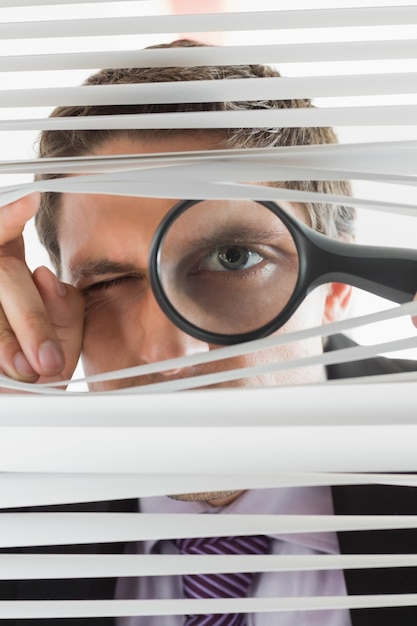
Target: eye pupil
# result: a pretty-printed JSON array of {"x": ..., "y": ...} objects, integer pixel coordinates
[{"x": 234, "y": 257}]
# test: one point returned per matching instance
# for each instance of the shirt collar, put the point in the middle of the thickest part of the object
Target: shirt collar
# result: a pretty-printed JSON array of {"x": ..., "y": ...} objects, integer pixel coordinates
[{"x": 279, "y": 501}]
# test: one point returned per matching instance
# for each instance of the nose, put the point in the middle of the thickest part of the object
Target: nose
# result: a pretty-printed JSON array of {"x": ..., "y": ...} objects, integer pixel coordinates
[{"x": 161, "y": 339}]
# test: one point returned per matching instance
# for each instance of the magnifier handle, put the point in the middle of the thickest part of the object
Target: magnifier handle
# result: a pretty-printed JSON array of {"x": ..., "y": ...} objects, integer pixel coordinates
[{"x": 387, "y": 272}]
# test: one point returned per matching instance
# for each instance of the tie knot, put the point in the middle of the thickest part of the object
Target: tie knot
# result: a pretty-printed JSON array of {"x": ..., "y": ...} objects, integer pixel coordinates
[{"x": 257, "y": 544}]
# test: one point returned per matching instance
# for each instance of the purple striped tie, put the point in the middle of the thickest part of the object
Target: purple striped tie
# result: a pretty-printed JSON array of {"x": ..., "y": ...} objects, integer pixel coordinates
[{"x": 219, "y": 585}]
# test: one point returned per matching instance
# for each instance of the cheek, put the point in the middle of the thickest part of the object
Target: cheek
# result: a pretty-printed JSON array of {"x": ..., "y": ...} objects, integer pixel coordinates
[
  {"x": 108, "y": 326},
  {"x": 310, "y": 313}
]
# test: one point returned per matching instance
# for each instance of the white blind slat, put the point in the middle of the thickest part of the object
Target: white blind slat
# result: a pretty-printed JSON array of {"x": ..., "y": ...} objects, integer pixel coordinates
[
  {"x": 213, "y": 91},
  {"x": 108, "y": 441},
  {"x": 34, "y": 489},
  {"x": 26, "y": 609},
  {"x": 212, "y": 22},
  {"x": 30, "y": 3},
  {"x": 395, "y": 156},
  {"x": 391, "y": 115},
  {"x": 215, "y": 55},
  {"x": 124, "y": 185},
  {"x": 42, "y": 566},
  {"x": 44, "y": 529}
]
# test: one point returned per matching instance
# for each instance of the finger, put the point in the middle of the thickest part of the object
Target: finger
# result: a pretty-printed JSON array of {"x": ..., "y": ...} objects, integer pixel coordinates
[
  {"x": 13, "y": 218},
  {"x": 66, "y": 312},
  {"x": 49, "y": 287},
  {"x": 13, "y": 362},
  {"x": 26, "y": 315}
]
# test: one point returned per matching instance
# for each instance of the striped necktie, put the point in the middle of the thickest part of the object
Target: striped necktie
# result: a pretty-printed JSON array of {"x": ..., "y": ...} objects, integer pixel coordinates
[{"x": 235, "y": 585}]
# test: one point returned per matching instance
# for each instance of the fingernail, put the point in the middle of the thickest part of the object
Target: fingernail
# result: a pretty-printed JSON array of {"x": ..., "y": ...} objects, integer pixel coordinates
[
  {"x": 50, "y": 357},
  {"x": 22, "y": 365},
  {"x": 59, "y": 287}
]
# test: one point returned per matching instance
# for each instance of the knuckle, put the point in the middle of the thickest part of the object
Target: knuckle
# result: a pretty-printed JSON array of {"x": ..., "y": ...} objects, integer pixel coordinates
[
  {"x": 34, "y": 319},
  {"x": 7, "y": 336},
  {"x": 11, "y": 265}
]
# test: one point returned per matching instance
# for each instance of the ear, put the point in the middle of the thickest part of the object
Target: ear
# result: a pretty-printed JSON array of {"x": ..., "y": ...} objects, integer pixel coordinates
[
  {"x": 337, "y": 302},
  {"x": 414, "y": 319}
]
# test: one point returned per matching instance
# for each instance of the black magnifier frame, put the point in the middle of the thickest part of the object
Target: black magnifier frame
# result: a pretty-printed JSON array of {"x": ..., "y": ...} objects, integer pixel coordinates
[{"x": 387, "y": 272}]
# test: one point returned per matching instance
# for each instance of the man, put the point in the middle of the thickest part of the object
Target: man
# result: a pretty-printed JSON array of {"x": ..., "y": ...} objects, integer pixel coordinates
[{"x": 101, "y": 306}]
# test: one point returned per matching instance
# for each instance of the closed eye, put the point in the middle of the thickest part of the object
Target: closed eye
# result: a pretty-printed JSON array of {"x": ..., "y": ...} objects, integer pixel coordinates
[{"x": 108, "y": 284}]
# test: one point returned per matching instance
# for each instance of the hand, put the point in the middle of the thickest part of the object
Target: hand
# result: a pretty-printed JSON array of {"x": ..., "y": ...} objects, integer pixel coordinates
[{"x": 41, "y": 319}]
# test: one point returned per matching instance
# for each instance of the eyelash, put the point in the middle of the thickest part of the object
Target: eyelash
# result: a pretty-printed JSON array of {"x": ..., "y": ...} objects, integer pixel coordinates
[{"x": 107, "y": 284}]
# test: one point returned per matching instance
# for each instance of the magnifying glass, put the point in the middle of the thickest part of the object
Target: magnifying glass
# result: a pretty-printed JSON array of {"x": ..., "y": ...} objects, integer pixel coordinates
[{"x": 228, "y": 271}]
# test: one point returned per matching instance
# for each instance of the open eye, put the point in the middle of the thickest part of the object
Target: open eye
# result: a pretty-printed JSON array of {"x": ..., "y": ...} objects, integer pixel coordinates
[{"x": 230, "y": 257}]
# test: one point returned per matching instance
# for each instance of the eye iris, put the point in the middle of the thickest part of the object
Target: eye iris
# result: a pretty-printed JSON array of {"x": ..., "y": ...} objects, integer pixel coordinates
[{"x": 234, "y": 257}]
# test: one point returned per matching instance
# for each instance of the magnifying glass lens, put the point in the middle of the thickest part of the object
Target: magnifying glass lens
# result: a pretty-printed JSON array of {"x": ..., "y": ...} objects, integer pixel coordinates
[{"x": 228, "y": 266}]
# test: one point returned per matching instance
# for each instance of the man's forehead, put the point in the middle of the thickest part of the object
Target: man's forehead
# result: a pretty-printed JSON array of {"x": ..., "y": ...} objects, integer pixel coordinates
[{"x": 103, "y": 234}]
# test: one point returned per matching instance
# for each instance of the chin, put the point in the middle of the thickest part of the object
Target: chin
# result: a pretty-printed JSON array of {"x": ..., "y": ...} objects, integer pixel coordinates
[{"x": 216, "y": 498}]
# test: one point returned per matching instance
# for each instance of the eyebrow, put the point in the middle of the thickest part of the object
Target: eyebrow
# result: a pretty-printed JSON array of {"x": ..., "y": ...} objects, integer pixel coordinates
[
  {"x": 240, "y": 235},
  {"x": 100, "y": 267}
]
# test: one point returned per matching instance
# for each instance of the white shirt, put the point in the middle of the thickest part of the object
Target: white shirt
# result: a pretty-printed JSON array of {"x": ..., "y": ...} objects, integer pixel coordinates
[{"x": 311, "y": 500}]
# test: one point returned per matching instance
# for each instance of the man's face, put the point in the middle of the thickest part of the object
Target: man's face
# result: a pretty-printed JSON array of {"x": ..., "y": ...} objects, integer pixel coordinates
[{"x": 104, "y": 243}]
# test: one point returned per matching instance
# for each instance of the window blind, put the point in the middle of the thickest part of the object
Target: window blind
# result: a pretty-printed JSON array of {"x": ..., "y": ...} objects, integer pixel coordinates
[{"x": 147, "y": 440}]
